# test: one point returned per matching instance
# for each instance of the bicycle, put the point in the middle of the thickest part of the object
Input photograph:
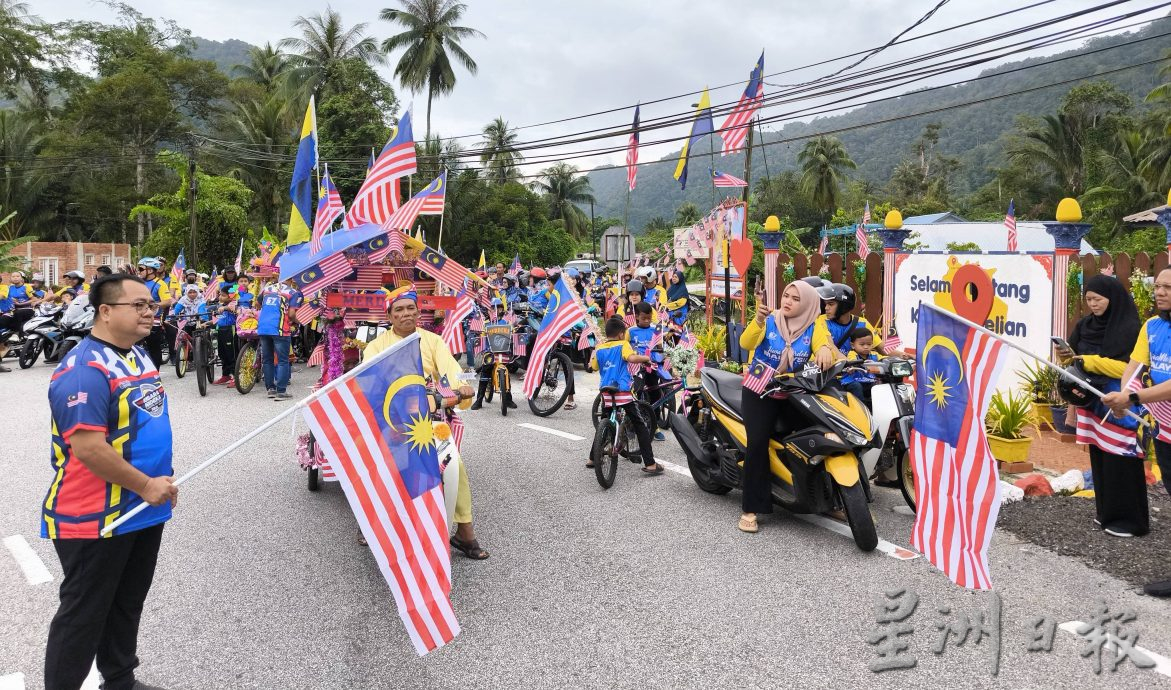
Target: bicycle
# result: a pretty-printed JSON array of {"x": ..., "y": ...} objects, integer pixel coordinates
[
  {"x": 195, "y": 346},
  {"x": 248, "y": 365},
  {"x": 658, "y": 411},
  {"x": 612, "y": 439},
  {"x": 496, "y": 363}
]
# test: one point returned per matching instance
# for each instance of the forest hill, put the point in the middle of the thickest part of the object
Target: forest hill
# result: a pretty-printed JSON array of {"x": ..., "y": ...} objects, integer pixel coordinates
[{"x": 1000, "y": 325}]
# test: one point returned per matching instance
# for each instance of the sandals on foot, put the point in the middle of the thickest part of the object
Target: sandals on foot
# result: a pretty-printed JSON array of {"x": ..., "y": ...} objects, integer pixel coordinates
[
  {"x": 653, "y": 472},
  {"x": 471, "y": 549},
  {"x": 747, "y": 525},
  {"x": 570, "y": 406}
]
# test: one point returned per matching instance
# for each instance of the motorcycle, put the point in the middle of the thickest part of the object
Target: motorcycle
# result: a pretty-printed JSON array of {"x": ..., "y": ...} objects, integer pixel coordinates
[
  {"x": 77, "y": 320},
  {"x": 42, "y": 333},
  {"x": 893, "y": 410},
  {"x": 815, "y": 467}
]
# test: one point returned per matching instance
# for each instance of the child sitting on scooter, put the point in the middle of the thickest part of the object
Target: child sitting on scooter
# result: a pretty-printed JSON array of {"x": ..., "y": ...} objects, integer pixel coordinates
[
  {"x": 859, "y": 383},
  {"x": 610, "y": 359}
]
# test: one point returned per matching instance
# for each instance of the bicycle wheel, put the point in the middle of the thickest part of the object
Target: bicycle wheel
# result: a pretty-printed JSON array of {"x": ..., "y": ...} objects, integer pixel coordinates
[
  {"x": 554, "y": 388},
  {"x": 182, "y": 357},
  {"x": 596, "y": 410},
  {"x": 246, "y": 368},
  {"x": 604, "y": 454},
  {"x": 200, "y": 362},
  {"x": 502, "y": 384}
]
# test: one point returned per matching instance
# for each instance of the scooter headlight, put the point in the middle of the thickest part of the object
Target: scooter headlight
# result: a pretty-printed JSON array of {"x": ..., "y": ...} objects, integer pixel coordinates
[
  {"x": 834, "y": 437},
  {"x": 906, "y": 393}
]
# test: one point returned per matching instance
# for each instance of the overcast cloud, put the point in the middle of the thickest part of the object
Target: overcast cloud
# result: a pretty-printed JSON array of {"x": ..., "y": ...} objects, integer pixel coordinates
[{"x": 546, "y": 60}]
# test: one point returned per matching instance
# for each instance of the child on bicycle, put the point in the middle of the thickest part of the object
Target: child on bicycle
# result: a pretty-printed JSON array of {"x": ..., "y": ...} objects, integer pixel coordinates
[
  {"x": 642, "y": 340},
  {"x": 611, "y": 359},
  {"x": 861, "y": 350},
  {"x": 224, "y": 312}
]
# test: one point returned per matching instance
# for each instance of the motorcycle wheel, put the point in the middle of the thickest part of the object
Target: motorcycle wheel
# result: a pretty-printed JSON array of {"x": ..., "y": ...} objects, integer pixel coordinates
[
  {"x": 858, "y": 514},
  {"x": 182, "y": 357},
  {"x": 554, "y": 388},
  {"x": 29, "y": 353},
  {"x": 502, "y": 384},
  {"x": 314, "y": 472},
  {"x": 65, "y": 348},
  {"x": 596, "y": 411},
  {"x": 707, "y": 478},
  {"x": 604, "y": 453},
  {"x": 906, "y": 478},
  {"x": 246, "y": 368},
  {"x": 200, "y": 367}
]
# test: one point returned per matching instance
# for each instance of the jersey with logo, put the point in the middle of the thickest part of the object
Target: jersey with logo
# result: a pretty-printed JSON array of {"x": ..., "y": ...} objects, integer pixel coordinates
[
  {"x": 770, "y": 349},
  {"x": 159, "y": 292},
  {"x": 839, "y": 332},
  {"x": 1154, "y": 348},
  {"x": 118, "y": 393},
  {"x": 277, "y": 303},
  {"x": 244, "y": 300},
  {"x": 11, "y": 296},
  {"x": 225, "y": 317},
  {"x": 610, "y": 361}
]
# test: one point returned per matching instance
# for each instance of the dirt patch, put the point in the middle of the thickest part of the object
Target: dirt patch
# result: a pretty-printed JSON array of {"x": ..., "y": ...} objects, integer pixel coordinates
[{"x": 1065, "y": 525}]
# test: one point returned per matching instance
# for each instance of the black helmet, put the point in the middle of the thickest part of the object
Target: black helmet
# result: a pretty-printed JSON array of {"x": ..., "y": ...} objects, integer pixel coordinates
[
  {"x": 815, "y": 281},
  {"x": 839, "y": 293},
  {"x": 635, "y": 286},
  {"x": 1071, "y": 392}
]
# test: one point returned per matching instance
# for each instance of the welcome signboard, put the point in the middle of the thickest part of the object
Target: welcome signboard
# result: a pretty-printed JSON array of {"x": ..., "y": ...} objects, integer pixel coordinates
[{"x": 1022, "y": 305}]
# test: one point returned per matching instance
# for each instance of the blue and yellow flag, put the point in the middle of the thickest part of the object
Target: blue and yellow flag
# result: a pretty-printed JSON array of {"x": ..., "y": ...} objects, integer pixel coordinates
[
  {"x": 482, "y": 265},
  {"x": 701, "y": 126},
  {"x": 301, "y": 188}
]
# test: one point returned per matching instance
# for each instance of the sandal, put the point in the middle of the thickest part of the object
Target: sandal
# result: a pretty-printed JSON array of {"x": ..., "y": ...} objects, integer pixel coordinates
[
  {"x": 590, "y": 463},
  {"x": 570, "y": 406},
  {"x": 657, "y": 470},
  {"x": 748, "y": 526},
  {"x": 471, "y": 549}
]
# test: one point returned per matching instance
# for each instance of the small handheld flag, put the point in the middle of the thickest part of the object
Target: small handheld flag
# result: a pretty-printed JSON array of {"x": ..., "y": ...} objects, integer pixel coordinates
[
  {"x": 861, "y": 236},
  {"x": 1010, "y": 225}
]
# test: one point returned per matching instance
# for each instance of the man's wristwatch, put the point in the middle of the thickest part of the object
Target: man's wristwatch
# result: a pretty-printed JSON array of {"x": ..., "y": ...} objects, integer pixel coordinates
[{"x": 1134, "y": 398}]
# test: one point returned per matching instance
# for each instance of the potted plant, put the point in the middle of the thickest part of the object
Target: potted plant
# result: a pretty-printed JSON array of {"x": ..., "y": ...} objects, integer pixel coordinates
[
  {"x": 1040, "y": 382},
  {"x": 1008, "y": 416}
]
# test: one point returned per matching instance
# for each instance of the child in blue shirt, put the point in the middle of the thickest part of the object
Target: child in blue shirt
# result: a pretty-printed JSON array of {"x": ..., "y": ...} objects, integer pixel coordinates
[
  {"x": 611, "y": 359},
  {"x": 861, "y": 349}
]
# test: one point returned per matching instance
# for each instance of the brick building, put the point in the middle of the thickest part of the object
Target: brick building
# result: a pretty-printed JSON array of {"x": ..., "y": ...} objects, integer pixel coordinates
[{"x": 54, "y": 259}]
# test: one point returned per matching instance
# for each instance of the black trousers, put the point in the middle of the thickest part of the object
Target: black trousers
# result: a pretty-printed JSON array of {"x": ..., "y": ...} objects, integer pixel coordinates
[
  {"x": 1120, "y": 492},
  {"x": 761, "y": 416},
  {"x": 1163, "y": 457},
  {"x": 226, "y": 344},
  {"x": 106, "y": 582},
  {"x": 154, "y": 346},
  {"x": 642, "y": 431}
]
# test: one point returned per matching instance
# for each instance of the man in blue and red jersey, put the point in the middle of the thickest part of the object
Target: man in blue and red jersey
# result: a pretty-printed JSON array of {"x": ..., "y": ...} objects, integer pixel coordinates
[
  {"x": 111, "y": 450},
  {"x": 151, "y": 272},
  {"x": 274, "y": 325}
]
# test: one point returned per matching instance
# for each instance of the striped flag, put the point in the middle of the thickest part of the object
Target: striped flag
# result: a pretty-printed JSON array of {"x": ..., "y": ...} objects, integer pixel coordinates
[
  {"x": 179, "y": 268},
  {"x": 329, "y": 209},
  {"x": 757, "y": 378},
  {"x": 1160, "y": 410},
  {"x": 321, "y": 275},
  {"x": 393, "y": 241},
  {"x": 457, "y": 430},
  {"x": 520, "y": 345},
  {"x": 317, "y": 357},
  {"x": 364, "y": 278},
  {"x": 1010, "y": 224},
  {"x": 453, "y": 332},
  {"x": 516, "y": 267},
  {"x": 722, "y": 179},
  {"x": 1105, "y": 434},
  {"x": 823, "y": 246},
  {"x": 378, "y": 197},
  {"x": 213, "y": 287},
  {"x": 894, "y": 342},
  {"x": 735, "y": 129},
  {"x": 861, "y": 236},
  {"x": 382, "y": 448},
  {"x": 430, "y": 196},
  {"x": 957, "y": 487},
  {"x": 442, "y": 268},
  {"x": 310, "y": 309},
  {"x": 556, "y": 322},
  {"x": 239, "y": 256},
  {"x": 632, "y": 152}
]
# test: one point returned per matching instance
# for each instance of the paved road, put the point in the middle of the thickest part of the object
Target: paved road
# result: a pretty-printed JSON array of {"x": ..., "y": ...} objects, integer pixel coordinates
[{"x": 262, "y": 584}]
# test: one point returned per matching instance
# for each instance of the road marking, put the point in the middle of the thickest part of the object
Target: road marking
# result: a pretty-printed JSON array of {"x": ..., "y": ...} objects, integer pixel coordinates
[
  {"x": 893, "y": 550},
  {"x": 555, "y": 432},
  {"x": 1162, "y": 663},
  {"x": 93, "y": 680},
  {"x": 12, "y": 681},
  {"x": 34, "y": 569}
]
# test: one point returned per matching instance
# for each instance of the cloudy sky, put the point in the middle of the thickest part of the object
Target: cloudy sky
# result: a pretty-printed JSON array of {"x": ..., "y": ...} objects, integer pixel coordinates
[{"x": 545, "y": 60}]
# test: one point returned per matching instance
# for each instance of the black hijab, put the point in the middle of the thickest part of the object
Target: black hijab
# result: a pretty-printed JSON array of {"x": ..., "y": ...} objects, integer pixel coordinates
[{"x": 1113, "y": 334}]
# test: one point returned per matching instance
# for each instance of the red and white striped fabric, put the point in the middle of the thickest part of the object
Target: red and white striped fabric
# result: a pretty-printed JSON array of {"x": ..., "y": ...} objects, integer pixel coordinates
[
  {"x": 1160, "y": 410},
  {"x": 957, "y": 490},
  {"x": 554, "y": 326},
  {"x": 1010, "y": 225},
  {"x": 632, "y": 153},
  {"x": 453, "y": 332},
  {"x": 365, "y": 278},
  {"x": 583, "y": 341},
  {"x": 735, "y": 129},
  {"x": 317, "y": 357},
  {"x": 860, "y": 235},
  {"x": 757, "y": 378},
  {"x": 378, "y": 197},
  {"x": 894, "y": 342},
  {"x": 1106, "y": 435},
  {"x": 308, "y": 311},
  {"x": 457, "y": 431},
  {"x": 327, "y": 473},
  {"x": 629, "y": 320},
  {"x": 520, "y": 346}
]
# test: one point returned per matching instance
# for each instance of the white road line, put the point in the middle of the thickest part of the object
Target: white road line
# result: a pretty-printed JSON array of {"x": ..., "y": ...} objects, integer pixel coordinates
[
  {"x": 1162, "y": 663},
  {"x": 555, "y": 432},
  {"x": 34, "y": 569},
  {"x": 93, "y": 680},
  {"x": 12, "y": 681},
  {"x": 892, "y": 550}
]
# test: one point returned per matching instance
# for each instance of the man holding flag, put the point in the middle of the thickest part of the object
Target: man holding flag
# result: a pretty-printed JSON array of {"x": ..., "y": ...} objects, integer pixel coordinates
[{"x": 402, "y": 306}]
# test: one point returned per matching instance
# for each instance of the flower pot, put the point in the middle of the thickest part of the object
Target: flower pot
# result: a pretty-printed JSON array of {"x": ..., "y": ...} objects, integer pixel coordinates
[
  {"x": 1059, "y": 423},
  {"x": 1009, "y": 449},
  {"x": 1043, "y": 412}
]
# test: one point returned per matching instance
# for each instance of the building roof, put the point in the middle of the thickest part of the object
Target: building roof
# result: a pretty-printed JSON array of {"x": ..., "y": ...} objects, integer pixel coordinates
[
  {"x": 991, "y": 236},
  {"x": 932, "y": 218},
  {"x": 614, "y": 230},
  {"x": 1147, "y": 217}
]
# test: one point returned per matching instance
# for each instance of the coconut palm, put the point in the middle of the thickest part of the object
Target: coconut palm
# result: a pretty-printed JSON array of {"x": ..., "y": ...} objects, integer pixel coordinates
[
  {"x": 22, "y": 180},
  {"x": 266, "y": 66},
  {"x": 1130, "y": 181},
  {"x": 500, "y": 156},
  {"x": 323, "y": 44},
  {"x": 1053, "y": 145},
  {"x": 563, "y": 189},
  {"x": 437, "y": 154},
  {"x": 431, "y": 34},
  {"x": 266, "y": 126},
  {"x": 823, "y": 164}
]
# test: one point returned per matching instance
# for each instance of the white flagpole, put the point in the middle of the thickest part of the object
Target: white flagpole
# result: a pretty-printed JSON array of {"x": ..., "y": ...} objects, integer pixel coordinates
[
  {"x": 268, "y": 425},
  {"x": 1064, "y": 374}
]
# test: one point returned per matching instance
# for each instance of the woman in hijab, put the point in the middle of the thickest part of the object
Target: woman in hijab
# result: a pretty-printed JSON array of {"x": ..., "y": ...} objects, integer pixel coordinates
[
  {"x": 1102, "y": 342},
  {"x": 784, "y": 341},
  {"x": 678, "y": 298}
]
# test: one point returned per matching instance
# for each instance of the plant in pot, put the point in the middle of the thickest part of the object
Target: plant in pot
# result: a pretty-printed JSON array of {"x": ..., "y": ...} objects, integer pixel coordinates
[
  {"x": 1009, "y": 415},
  {"x": 1040, "y": 383}
]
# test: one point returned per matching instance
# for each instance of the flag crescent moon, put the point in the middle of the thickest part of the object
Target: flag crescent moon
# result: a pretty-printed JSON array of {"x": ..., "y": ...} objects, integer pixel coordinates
[
  {"x": 399, "y": 384},
  {"x": 947, "y": 345}
]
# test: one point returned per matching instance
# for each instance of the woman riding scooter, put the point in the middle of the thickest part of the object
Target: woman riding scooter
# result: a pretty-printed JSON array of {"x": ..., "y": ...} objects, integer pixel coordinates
[{"x": 784, "y": 343}]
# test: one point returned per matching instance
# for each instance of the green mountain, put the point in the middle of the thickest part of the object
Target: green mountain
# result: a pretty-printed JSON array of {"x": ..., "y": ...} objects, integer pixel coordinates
[
  {"x": 974, "y": 134},
  {"x": 225, "y": 54}
]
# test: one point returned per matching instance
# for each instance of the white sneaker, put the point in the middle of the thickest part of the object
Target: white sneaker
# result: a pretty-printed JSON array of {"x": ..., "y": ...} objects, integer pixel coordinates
[{"x": 1116, "y": 532}]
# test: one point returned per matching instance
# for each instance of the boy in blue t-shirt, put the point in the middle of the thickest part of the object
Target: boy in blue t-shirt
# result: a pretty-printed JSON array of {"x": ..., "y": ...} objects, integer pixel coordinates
[
  {"x": 861, "y": 348},
  {"x": 611, "y": 359},
  {"x": 224, "y": 311}
]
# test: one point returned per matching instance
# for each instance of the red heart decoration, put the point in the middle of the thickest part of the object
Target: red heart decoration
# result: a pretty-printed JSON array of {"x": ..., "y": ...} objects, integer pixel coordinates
[{"x": 742, "y": 255}]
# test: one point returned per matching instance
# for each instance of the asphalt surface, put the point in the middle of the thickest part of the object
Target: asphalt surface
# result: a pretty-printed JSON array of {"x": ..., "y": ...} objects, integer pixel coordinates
[{"x": 262, "y": 584}]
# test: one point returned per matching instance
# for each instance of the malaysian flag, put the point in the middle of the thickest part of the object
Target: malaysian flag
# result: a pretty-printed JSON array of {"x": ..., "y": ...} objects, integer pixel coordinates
[
  {"x": 860, "y": 235},
  {"x": 735, "y": 129},
  {"x": 213, "y": 287},
  {"x": 632, "y": 152},
  {"x": 321, "y": 275},
  {"x": 329, "y": 209},
  {"x": 310, "y": 309},
  {"x": 453, "y": 332},
  {"x": 557, "y": 321},
  {"x": 457, "y": 430},
  {"x": 179, "y": 268},
  {"x": 957, "y": 489},
  {"x": 442, "y": 268},
  {"x": 1160, "y": 410},
  {"x": 378, "y": 198},
  {"x": 364, "y": 278},
  {"x": 239, "y": 256},
  {"x": 378, "y": 248},
  {"x": 375, "y": 430},
  {"x": 893, "y": 342},
  {"x": 722, "y": 179},
  {"x": 520, "y": 345},
  {"x": 430, "y": 197},
  {"x": 758, "y": 376},
  {"x": 516, "y": 267},
  {"x": 317, "y": 357},
  {"x": 823, "y": 246},
  {"x": 1010, "y": 224},
  {"x": 1117, "y": 437}
]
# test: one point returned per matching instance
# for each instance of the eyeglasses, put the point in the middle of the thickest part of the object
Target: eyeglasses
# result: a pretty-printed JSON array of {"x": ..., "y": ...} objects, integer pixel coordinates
[{"x": 141, "y": 306}]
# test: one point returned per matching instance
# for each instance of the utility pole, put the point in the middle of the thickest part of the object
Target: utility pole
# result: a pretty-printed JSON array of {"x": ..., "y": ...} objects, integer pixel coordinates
[
  {"x": 593, "y": 230},
  {"x": 192, "y": 193}
]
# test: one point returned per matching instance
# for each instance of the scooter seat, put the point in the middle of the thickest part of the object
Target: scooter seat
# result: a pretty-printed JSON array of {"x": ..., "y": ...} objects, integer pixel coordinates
[{"x": 726, "y": 386}]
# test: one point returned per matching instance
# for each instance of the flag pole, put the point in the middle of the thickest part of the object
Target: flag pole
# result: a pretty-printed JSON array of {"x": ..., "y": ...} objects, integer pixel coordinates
[
  {"x": 439, "y": 247},
  {"x": 267, "y": 425},
  {"x": 1061, "y": 371}
]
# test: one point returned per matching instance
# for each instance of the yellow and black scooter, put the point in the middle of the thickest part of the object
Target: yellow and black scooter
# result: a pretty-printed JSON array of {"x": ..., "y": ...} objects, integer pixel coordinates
[{"x": 815, "y": 464}]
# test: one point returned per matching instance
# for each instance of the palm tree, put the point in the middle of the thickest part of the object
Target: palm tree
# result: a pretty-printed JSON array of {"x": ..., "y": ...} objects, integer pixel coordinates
[
  {"x": 823, "y": 164},
  {"x": 323, "y": 44},
  {"x": 1130, "y": 181},
  {"x": 431, "y": 33},
  {"x": 563, "y": 189},
  {"x": 500, "y": 156},
  {"x": 436, "y": 154},
  {"x": 266, "y": 126},
  {"x": 266, "y": 66},
  {"x": 22, "y": 179},
  {"x": 1053, "y": 145}
]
